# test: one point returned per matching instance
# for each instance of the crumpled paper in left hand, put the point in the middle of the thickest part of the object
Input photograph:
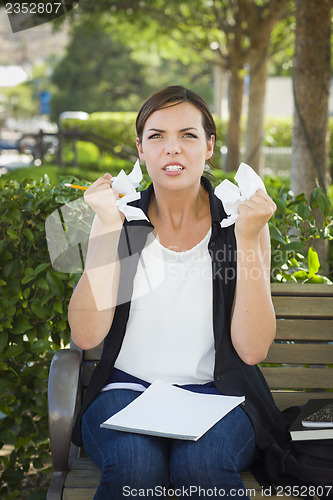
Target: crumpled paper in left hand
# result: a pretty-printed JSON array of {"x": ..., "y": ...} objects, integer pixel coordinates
[
  {"x": 232, "y": 196},
  {"x": 126, "y": 185}
]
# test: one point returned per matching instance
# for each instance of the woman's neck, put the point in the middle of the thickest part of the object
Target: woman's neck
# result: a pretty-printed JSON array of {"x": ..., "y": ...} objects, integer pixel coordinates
[{"x": 175, "y": 209}]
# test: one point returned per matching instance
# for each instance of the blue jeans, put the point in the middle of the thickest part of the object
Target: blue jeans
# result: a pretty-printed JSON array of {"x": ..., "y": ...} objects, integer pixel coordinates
[{"x": 138, "y": 465}]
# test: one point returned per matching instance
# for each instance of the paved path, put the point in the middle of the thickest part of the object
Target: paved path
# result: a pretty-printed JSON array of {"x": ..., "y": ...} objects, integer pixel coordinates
[{"x": 10, "y": 160}]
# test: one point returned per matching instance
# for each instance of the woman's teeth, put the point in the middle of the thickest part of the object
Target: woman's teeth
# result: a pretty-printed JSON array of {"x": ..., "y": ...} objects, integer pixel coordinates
[{"x": 173, "y": 168}]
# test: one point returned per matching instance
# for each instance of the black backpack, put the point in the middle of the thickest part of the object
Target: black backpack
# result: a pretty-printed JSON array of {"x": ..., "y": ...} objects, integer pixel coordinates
[{"x": 301, "y": 468}]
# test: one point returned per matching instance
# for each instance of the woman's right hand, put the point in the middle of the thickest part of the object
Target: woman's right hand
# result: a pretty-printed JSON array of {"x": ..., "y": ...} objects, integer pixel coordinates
[{"x": 102, "y": 199}]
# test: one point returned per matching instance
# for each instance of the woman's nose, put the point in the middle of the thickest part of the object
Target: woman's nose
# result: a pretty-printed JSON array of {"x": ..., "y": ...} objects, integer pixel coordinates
[{"x": 173, "y": 147}]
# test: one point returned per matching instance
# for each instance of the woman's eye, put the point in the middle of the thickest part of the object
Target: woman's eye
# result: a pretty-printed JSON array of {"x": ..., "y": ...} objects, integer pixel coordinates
[
  {"x": 154, "y": 136},
  {"x": 190, "y": 135}
]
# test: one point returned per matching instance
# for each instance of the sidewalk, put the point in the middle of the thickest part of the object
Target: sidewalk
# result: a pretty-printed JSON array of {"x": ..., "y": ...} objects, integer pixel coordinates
[{"x": 10, "y": 160}]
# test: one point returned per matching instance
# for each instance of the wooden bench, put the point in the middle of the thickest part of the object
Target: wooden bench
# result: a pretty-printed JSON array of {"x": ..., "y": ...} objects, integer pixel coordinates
[{"x": 299, "y": 366}]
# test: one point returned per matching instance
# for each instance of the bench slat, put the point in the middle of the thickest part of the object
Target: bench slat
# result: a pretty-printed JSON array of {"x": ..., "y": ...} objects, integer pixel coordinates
[
  {"x": 302, "y": 290},
  {"x": 78, "y": 494},
  {"x": 300, "y": 353},
  {"x": 298, "y": 378},
  {"x": 94, "y": 354},
  {"x": 304, "y": 329},
  {"x": 302, "y": 307},
  {"x": 284, "y": 399}
]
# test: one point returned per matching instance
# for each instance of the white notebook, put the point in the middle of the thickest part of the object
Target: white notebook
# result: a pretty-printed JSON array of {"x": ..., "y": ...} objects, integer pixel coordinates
[{"x": 169, "y": 411}]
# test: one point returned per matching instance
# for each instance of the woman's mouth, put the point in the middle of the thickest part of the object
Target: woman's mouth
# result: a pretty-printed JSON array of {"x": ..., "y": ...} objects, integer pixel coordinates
[{"x": 173, "y": 168}]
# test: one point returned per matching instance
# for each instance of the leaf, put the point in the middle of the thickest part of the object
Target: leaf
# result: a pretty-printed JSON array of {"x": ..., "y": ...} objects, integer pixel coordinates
[
  {"x": 40, "y": 312},
  {"x": 303, "y": 211},
  {"x": 3, "y": 283},
  {"x": 38, "y": 463},
  {"x": 14, "y": 350},
  {"x": 302, "y": 275},
  {"x": 3, "y": 340},
  {"x": 46, "y": 298},
  {"x": 41, "y": 268},
  {"x": 276, "y": 234},
  {"x": 55, "y": 283},
  {"x": 32, "y": 334},
  {"x": 22, "y": 441},
  {"x": 21, "y": 325},
  {"x": 13, "y": 234},
  {"x": 10, "y": 268},
  {"x": 7, "y": 437},
  {"x": 29, "y": 275},
  {"x": 28, "y": 234},
  {"x": 281, "y": 205},
  {"x": 40, "y": 346},
  {"x": 43, "y": 284},
  {"x": 13, "y": 476},
  {"x": 58, "y": 307},
  {"x": 4, "y": 385},
  {"x": 14, "y": 214},
  {"x": 313, "y": 261},
  {"x": 324, "y": 203},
  {"x": 295, "y": 246}
]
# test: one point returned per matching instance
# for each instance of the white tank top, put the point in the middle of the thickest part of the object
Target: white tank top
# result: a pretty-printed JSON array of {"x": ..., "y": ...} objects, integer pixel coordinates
[{"x": 169, "y": 333}]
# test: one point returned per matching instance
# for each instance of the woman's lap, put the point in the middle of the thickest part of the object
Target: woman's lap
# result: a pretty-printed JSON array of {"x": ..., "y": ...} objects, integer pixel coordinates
[{"x": 137, "y": 461}]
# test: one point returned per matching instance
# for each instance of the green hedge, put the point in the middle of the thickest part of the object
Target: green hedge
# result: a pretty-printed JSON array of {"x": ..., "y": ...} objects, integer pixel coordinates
[
  {"x": 33, "y": 324},
  {"x": 34, "y": 301}
]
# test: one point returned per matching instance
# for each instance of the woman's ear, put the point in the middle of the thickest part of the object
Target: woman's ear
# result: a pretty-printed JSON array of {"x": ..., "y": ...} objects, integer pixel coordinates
[
  {"x": 139, "y": 147},
  {"x": 210, "y": 147}
]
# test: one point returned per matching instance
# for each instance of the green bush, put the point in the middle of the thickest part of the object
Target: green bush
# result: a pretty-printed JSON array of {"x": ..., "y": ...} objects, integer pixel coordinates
[
  {"x": 33, "y": 325},
  {"x": 294, "y": 229},
  {"x": 278, "y": 132}
]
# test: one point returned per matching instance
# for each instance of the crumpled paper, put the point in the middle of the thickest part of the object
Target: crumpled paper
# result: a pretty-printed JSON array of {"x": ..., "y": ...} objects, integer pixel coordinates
[
  {"x": 232, "y": 196},
  {"x": 126, "y": 185}
]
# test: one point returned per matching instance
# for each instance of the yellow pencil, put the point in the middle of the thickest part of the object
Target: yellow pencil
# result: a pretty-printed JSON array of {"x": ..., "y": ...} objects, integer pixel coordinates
[
  {"x": 74, "y": 186},
  {"x": 84, "y": 188}
]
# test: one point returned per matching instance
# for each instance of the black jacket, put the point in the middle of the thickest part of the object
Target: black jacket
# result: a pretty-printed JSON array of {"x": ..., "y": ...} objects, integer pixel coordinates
[{"x": 231, "y": 375}]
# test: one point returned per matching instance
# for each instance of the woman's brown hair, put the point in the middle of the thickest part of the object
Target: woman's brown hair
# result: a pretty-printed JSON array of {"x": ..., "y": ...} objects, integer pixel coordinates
[{"x": 171, "y": 96}]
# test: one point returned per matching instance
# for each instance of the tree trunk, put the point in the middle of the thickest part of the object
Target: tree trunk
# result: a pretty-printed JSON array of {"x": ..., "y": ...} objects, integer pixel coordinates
[
  {"x": 311, "y": 92},
  {"x": 218, "y": 89},
  {"x": 236, "y": 86},
  {"x": 255, "y": 118},
  {"x": 261, "y": 21}
]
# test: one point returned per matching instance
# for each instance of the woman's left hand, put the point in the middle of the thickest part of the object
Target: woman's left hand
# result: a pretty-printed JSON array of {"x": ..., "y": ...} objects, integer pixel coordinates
[{"x": 253, "y": 215}]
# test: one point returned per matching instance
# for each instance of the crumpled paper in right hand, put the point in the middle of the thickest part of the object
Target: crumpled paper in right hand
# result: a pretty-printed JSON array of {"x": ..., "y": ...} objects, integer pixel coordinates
[{"x": 232, "y": 196}]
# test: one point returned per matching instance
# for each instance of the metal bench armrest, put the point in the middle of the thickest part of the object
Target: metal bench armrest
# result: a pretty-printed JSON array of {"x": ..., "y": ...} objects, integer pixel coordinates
[{"x": 63, "y": 395}]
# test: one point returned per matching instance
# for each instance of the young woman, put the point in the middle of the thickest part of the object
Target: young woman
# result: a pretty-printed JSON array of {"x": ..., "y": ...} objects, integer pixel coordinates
[{"x": 204, "y": 325}]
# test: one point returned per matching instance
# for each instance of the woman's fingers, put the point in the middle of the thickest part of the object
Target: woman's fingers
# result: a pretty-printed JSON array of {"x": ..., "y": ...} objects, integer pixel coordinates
[
  {"x": 101, "y": 183},
  {"x": 254, "y": 213},
  {"x": 102, "y": 199}
]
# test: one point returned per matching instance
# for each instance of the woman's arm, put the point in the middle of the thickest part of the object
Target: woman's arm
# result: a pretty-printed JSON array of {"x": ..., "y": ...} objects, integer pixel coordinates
[
  {"x": 93, "y": 302},
  {"x": 253, "y": 322}
]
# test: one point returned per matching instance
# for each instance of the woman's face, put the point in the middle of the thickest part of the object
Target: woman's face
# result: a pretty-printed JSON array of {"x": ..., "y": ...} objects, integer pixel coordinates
[{"x": 175, "y": 147}]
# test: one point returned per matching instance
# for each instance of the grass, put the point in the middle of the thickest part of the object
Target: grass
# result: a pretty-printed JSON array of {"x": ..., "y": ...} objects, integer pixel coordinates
[{"x": 56, "y": 174}]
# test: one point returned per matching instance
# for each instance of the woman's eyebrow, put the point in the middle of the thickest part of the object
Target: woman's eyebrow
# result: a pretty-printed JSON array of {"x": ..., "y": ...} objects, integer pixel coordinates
[
  {"x": 187, "y": 128},
  {"x": 181, "y": 130}
]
